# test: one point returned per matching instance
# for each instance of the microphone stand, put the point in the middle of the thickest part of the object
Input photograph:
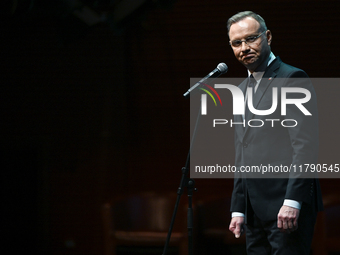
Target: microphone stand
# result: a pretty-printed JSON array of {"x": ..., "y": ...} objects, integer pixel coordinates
[{"x": 189, "y": 183}]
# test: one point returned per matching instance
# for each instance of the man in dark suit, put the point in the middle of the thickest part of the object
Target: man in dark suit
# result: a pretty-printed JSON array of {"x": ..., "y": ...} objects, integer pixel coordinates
[{"x": 279, "y": 212}]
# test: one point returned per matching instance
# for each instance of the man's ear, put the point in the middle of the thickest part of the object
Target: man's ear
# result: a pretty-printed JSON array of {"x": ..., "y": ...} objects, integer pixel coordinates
[{"x": 269, "y": 36}]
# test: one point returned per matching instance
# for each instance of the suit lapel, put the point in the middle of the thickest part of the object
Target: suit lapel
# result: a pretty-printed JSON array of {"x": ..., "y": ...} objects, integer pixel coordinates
[
  {"x": 239, "y": 118},
  {"x": 266, "y": 80}
]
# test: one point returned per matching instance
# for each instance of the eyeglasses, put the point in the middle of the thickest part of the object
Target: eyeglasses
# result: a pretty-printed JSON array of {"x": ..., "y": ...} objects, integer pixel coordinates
[{"x": 249, "y": 40}]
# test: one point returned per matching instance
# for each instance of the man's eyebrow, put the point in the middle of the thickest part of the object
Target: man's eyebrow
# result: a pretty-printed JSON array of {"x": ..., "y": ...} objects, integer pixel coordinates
[{"x": 253, "y": 35}]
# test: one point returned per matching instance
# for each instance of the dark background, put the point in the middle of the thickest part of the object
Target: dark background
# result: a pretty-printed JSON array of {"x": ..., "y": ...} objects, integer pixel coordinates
[{"x": 94, "y": 110}]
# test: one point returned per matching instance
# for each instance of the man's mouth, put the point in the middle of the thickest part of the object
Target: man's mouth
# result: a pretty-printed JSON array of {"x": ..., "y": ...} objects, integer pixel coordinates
[{"x": 249, "y": 56}]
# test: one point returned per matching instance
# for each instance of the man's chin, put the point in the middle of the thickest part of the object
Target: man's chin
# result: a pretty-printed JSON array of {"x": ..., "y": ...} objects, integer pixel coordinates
[
  {"x": 250, "y": 66},
  {"x": 249, "y": 61}
]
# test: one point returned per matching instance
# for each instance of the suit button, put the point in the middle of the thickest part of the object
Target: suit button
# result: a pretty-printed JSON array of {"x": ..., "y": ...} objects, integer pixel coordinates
[{"x": 245, "y": 145}]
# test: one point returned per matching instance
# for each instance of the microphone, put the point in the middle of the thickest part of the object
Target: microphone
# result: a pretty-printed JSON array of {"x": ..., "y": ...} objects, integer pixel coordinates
[{"x": 220, "y": 69}]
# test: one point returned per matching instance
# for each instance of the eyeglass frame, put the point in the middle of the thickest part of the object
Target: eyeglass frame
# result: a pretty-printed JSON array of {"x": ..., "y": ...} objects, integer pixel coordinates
[{"x": 245, "y": 40}]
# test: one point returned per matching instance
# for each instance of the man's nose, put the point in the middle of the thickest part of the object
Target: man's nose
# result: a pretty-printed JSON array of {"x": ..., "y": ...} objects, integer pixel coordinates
[{"x": 244, "y": 46}]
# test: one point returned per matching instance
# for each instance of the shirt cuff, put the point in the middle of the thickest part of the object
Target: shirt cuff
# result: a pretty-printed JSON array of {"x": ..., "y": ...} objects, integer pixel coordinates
[
  {"x": 237, "y": 214},
  {"x": 292, "y": 203}
]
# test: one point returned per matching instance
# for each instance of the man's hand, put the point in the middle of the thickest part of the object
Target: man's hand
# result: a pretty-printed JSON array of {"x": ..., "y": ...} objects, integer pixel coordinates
[
  {"x": 287, "y": 219},
  {"x": 236, "y": 226}
]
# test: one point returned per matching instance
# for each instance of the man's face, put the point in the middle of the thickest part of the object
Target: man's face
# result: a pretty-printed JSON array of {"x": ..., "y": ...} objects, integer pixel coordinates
[{"x": 253, "y": 55}]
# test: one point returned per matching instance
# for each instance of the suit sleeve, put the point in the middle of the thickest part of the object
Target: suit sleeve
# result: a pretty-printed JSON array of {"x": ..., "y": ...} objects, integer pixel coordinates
[
  {"x": 238, "y": 196},
  {"x": 303, "y": 137}
]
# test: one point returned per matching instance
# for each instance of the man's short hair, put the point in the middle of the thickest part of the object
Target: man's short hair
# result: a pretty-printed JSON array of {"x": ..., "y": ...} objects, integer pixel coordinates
[{"x": 242, "y": 15}]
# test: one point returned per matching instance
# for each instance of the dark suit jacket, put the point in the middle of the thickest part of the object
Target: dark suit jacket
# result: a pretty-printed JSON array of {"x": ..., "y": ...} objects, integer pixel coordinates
[{"x": 276, "y": 146}]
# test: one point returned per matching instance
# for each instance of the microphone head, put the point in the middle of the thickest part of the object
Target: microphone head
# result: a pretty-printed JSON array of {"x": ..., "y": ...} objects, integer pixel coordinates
[{"x": 222, "y": 67}]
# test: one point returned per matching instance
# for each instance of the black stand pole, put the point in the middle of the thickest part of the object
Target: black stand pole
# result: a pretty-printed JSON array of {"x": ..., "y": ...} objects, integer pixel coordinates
[
  {"x": 189, "y": 183},
  {"x": 191, "y": 188}
]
